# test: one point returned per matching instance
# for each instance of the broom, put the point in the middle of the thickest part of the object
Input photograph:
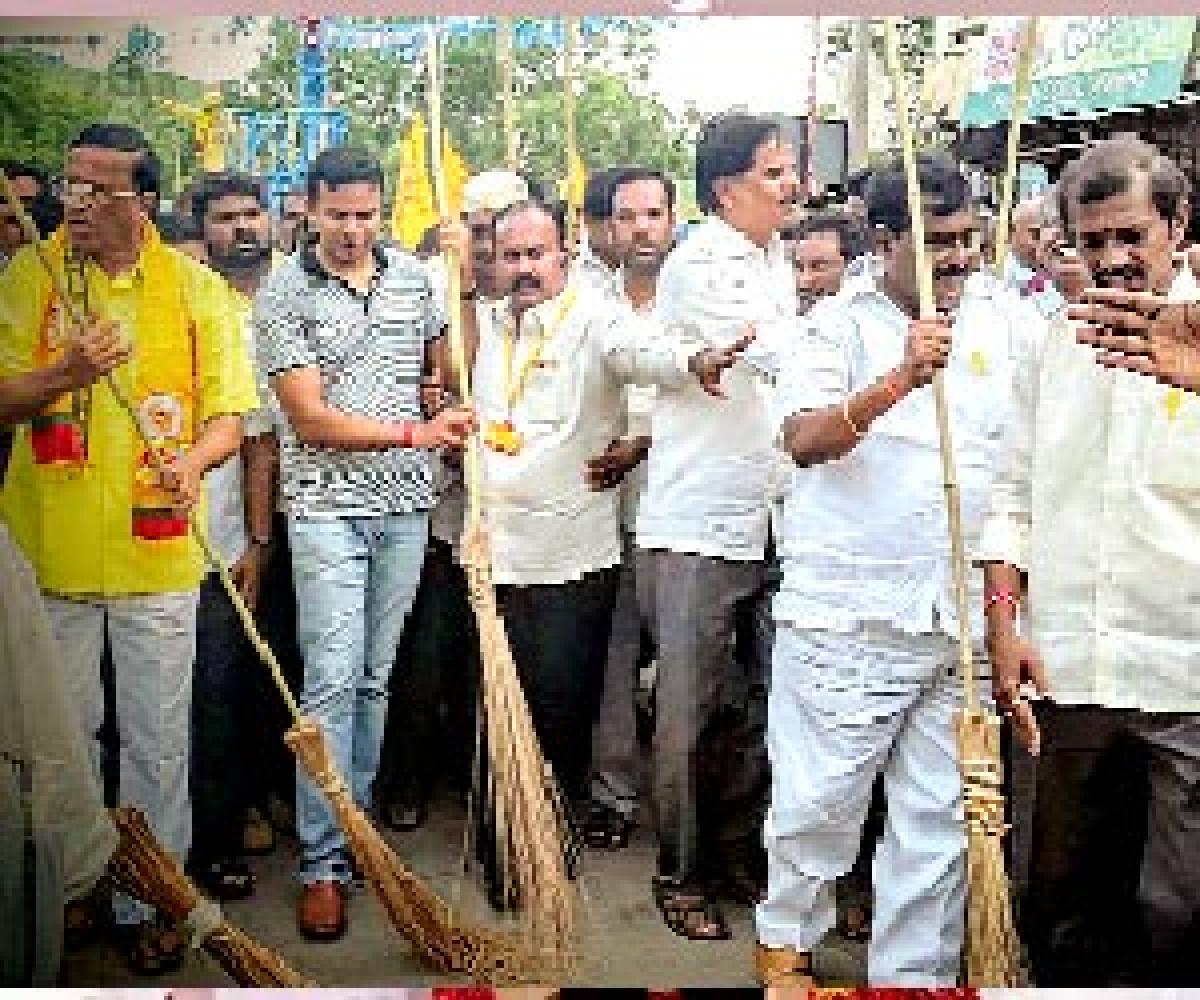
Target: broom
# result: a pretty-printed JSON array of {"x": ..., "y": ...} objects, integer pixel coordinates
[
  {"x": 142, "y": 867},
  {"x": 992, "y": 947},
  {"x": 532, "y": 830},
  {"x": 437, "y": 934}
]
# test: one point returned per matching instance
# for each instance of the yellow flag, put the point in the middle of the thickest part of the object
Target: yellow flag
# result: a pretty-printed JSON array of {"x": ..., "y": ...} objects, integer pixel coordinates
[
  {"x": 413, "y": 210},
  {"x": 573, "y": 187},
  {"x": 457, "y": 173}
]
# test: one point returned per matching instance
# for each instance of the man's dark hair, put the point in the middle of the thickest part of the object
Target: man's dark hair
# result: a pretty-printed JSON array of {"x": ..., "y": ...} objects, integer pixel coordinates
[
  {"x": 726, "y": 148},
  {"x": 598, "y": 193},
  {"x": 852, "y": 240},
  {"x": 147, "y": 168},
  {"x": 46, "y": 211},
  {"x": 1109, "y": 167},
  {"x": 214, "y": 186},
  {"x": 430, "y": 244},
  {"x": 175, "y": 229},
  {"x": 555, "y": 209},
  {"x": 944, "y": 191},
  {"x": 630, "y": 175},
  {"x": 16, "y": 168},
  {"x": 340, "y": 166}
]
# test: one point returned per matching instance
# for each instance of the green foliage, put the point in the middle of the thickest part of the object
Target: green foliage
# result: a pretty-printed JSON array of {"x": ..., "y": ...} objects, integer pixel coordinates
[
  {"x": 44, "y": 105},
  {"x": 381, "y": 90}
]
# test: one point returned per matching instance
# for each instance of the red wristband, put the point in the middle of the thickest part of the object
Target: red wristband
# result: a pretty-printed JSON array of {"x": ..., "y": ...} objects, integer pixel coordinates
[
  {"x": 405, "y": 439},
  {"x": 994, "y": 597},
  {"x": 891, "y": 385}
]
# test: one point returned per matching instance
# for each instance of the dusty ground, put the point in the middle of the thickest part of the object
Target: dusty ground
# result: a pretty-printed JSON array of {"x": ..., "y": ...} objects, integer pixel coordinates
[{"x": 625, "y": 943}]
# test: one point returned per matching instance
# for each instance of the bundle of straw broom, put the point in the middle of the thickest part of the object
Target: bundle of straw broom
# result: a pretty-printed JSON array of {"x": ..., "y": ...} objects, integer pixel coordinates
[
  {"x": 439, "y": 936},
  {"x": 532, "y": 829},
  {"x": 143, "y": 868},
  {"x": 993, "y": 950}
]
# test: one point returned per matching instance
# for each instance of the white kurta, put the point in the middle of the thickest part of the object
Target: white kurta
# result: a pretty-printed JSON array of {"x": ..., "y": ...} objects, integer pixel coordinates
[
  {"x": 546, "y": 525},
  {"x": 864, "y": 675},
  {"x": 708, "y": 474},
  {"x": 1098, "y": 499}
]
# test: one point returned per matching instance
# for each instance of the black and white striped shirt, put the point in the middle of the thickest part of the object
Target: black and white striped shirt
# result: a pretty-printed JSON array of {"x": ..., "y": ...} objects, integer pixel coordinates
[{"x": 370, "y": 349}]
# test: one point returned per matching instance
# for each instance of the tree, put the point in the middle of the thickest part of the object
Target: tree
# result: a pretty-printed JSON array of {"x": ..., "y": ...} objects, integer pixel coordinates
[{"x": 380, "y": 89}]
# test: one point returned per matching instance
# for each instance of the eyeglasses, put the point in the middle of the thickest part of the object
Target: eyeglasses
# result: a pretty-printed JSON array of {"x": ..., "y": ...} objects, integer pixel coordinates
[{"x": 87, "y": 193}]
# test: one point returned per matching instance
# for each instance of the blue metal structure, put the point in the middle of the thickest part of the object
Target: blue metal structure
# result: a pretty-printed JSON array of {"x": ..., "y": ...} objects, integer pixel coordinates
[{"x": 296, "y": 135}]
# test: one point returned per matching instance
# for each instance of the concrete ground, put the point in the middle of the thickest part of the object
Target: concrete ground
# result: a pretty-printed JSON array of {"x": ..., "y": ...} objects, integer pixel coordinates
[{"x": 624, "y": 941}]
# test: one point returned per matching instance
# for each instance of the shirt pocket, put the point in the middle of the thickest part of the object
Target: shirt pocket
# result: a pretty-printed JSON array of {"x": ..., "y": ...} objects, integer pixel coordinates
[
  {"x": 547, "y": 399},
  {"x": 1173, "y": 450}
]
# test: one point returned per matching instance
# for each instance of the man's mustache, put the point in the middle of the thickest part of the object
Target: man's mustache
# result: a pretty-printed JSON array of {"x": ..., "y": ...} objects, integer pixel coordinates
[
  {"x": 953, "y": 271},
  {"x": 527, "y": 283}
]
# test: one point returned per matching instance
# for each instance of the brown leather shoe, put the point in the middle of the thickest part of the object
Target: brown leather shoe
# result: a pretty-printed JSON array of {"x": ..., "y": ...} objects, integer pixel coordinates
[
  {"x": 321, "y": 915},
  {"x": 784, "y": 967}
]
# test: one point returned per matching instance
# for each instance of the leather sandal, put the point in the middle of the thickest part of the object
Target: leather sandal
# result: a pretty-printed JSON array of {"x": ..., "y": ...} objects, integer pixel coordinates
[
  {"x": 784, "y": 967},
  {"x": 689, "y": 912}
]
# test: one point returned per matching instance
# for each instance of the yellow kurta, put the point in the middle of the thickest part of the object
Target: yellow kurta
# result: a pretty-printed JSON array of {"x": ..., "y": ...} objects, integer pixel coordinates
[{"x": 74, "y": 524}]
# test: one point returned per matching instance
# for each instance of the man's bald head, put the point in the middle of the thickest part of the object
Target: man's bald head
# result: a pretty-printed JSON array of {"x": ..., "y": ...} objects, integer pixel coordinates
[{"x": 1027, "y": 231}]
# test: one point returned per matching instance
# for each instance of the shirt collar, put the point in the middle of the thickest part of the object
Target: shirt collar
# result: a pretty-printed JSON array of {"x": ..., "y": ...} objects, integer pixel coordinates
[
  {"x": 311, "y": 264},
  {"x": 733, "y": 237}
]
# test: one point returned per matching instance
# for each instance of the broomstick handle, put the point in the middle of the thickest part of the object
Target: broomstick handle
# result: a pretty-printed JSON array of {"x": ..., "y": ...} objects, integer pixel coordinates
[
  {"x": 928, "y": 310},
  {"x": 572, "y": 43},
  {"x": 458, "y": 348},
  {"x": 504, "y": 59},
  {"x": 1021, "y": 84},
  {"x": 210, "y": 556}
]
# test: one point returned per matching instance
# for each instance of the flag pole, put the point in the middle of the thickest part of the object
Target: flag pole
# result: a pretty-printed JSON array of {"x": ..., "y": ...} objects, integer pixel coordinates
[{"x": 572, "y": 152}]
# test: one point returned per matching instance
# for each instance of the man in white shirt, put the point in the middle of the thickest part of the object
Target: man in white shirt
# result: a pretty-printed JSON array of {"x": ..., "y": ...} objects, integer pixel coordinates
[
  {"x": 1095, "y": 519},
  {"x": 864, "y": 679},
  {"x": 702, "y": 528},
  {"x": 549, "y": 374},
  {"x": 1021, "y": 266},
  {"x": 643, "y": 222},
  {"x": 598, "y": 262}
]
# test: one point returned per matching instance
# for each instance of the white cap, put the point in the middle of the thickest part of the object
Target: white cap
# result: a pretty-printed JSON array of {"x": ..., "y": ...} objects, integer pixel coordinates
[{"x": 493, "y": 191}]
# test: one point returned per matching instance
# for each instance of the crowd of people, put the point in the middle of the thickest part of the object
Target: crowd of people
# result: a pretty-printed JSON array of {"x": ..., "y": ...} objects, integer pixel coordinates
[{"x": 713, "y": 496}]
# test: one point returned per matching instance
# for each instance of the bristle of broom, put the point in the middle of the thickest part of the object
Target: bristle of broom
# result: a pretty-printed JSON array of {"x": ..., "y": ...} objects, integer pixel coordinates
[
  {"x": 434, "y": 930},
  {"x": 144, "y": 869},
  {"x": 993, "y": 946},
  {"x": 533, "y": 831}
]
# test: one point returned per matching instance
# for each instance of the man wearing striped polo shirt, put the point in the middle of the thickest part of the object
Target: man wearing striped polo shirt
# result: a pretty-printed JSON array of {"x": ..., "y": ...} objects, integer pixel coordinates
[{"x": 344, "y": 329}]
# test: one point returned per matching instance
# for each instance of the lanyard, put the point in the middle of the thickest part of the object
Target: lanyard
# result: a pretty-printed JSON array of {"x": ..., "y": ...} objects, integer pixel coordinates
[{"x": 515, "y": 382}]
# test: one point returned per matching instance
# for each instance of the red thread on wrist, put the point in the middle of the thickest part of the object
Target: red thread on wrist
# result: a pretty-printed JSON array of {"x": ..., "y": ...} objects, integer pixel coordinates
[
  {"x": 406, "y": 434},
  {"x": 994, "y": 597}
]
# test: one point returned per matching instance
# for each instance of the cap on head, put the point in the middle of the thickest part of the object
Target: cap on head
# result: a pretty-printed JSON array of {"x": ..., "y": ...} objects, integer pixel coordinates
[{"x": 493, "y": 191}]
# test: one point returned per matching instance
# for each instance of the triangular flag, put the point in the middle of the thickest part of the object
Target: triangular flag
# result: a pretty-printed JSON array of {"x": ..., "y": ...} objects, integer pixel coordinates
[
  {"x": 413, "y": 209},
  {"x": 456, "y": 174}
]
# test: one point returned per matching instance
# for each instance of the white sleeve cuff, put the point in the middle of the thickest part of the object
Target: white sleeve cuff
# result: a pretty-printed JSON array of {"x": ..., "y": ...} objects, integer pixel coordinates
[{"x": 1004, "y": 539}]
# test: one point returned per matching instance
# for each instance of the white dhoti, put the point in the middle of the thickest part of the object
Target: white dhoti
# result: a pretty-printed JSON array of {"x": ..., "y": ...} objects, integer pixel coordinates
[
  {"x": 55, "y": 835},
  {"x": 843, "y": 708}
]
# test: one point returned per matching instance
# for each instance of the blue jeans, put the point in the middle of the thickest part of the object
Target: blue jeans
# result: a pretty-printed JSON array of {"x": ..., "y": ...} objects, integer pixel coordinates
[{"x": 355, "y": 583}]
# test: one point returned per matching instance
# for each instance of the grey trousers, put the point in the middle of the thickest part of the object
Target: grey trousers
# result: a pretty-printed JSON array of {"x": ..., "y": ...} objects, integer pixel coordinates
[
  {"x": 709, "y": 773},
  {"x": 615, "y": 757}
]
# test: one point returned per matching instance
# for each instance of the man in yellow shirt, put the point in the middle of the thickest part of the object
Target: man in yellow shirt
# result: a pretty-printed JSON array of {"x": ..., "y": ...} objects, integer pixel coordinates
[{"x": 106, "y": 533}]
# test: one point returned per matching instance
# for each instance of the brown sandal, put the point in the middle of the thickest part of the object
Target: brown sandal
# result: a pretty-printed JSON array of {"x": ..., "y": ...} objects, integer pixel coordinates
[
  {"x": 855, "y": 923},
  {"x": 152, "y": 948},
  {"x": 784, "y": 967},
  {"x": 689, "y": 913}
]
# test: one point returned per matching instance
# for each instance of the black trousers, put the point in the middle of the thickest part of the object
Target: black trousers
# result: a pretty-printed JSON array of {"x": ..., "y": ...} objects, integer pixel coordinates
[
  {"x": 221, "y": 712},
  {"x": 1114, "y": 888},
  {"x": 431, "y": 728},
  {"x": 271, "y": 768},
  {"x": 559, "y": 637}
]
